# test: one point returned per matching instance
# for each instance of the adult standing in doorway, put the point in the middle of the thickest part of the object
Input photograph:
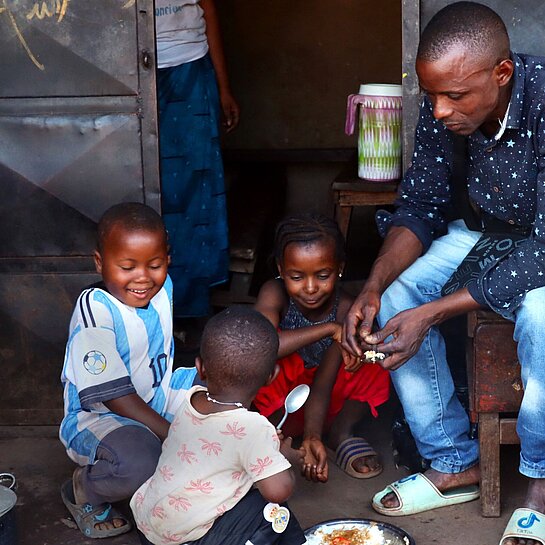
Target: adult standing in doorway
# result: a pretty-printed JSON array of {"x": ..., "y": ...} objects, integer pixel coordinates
[
  {"x": 477, "y": 89},
  {"x": 193, "y": 92}
]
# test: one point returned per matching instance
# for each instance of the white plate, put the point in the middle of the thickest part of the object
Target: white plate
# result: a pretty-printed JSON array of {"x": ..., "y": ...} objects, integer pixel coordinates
[{"x": 393, "y": 535}]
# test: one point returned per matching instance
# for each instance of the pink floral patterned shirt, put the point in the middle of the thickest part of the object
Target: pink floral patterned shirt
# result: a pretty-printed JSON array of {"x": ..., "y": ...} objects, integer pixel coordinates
[{"x": 209, "y": 462}]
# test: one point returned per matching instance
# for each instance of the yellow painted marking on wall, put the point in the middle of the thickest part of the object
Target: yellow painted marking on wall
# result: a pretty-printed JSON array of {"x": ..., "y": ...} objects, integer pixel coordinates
[
  {"x": 48, "y": 9},
  {"x": 19, "y": 35},
  {"x": 63, "y": 8}
]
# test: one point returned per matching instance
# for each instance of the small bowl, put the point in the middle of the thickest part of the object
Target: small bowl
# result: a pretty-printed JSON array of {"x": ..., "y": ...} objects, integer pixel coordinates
[{"x": 394, "y": 534}]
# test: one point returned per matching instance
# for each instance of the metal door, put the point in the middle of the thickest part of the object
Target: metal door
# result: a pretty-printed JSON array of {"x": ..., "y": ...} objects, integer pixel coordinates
[{"x": 77, "y": 134}]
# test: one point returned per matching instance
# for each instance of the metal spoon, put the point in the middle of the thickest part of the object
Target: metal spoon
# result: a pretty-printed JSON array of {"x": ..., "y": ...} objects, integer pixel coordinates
[{"x": 294, "y": 401}]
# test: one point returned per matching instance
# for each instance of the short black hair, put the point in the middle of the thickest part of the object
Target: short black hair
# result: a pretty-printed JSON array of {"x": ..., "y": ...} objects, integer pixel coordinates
[
  {"x": 475, "y": 27},
  {"x": 131, "y": 216},
  {"x": 305, "y": 229},
  {"x": 239, "y": 348}
]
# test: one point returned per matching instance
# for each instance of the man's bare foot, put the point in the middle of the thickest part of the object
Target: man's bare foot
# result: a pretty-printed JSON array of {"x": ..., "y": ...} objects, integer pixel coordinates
[
  {"x": 79, "y": 497},
  {"x": 443, "y": 482},
  {"x": 535, "y": 499}
]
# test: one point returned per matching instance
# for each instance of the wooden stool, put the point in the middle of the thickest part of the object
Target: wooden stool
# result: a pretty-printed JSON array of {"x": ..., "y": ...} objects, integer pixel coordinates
[
  {"x": 495, "y": 387},
  {"x": 255, "y": 202},
  {"x": 242, "y": 261},
  {"x": 350, "y": 192}
]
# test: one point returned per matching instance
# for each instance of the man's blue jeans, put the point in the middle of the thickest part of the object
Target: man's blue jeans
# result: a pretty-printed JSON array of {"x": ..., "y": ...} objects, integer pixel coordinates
[{"x": 424, "y": 384}]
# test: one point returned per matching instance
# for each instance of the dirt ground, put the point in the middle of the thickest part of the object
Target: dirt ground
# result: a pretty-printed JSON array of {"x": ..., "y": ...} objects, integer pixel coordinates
[{"x": 36, "y": 457}]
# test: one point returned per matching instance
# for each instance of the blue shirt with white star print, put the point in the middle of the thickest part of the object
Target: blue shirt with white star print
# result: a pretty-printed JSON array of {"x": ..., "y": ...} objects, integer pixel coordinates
[{"x": 506, "y": 177}]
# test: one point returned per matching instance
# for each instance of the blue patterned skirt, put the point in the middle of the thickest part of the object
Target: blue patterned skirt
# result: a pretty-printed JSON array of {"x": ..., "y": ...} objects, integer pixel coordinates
[{"x": 192, "y": 183}]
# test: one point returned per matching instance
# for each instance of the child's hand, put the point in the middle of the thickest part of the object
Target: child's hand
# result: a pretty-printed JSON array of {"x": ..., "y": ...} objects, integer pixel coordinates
[
  {"x": 337, "y": 334},
  {"x": 294, "y": 457},
  {"x": 351, "y": 363},
  {"x": 315, "y": 462}
]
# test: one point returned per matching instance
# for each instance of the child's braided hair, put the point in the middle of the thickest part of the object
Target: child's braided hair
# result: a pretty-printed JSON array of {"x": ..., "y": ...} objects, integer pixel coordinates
[{"x": 306, "y": 229}]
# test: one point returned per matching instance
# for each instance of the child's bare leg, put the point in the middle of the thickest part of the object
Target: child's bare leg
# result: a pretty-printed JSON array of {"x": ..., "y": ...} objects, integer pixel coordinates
[
  {"x": 80, "y": 498},
  {"x": 343, "y": 428},
  {"x": 125, "y": 458}
]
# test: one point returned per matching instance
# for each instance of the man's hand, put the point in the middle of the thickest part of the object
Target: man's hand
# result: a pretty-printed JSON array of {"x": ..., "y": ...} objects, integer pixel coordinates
[
  {"x": 408, "y": 329},
  {"x": 400, "y": 249},
  {"x": 359, "y": 321},
  {"x": 315, "y": 462}
]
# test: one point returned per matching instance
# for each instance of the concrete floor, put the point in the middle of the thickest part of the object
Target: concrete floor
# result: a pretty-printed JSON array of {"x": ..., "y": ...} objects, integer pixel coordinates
[{"x": 40, "y": 464}]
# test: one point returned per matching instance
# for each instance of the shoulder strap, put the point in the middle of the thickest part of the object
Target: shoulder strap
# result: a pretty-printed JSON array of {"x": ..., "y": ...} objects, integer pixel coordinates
[{"x": 463, "y": 205}]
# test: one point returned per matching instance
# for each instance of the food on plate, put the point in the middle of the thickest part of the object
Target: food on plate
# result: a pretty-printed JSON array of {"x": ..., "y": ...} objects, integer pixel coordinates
[
  {"x": 372, "y": 356},
  {"x": 370, "y": 535}
]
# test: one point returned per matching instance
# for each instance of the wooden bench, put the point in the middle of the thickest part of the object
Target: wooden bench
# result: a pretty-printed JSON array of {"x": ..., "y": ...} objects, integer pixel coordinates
[
  {"x": 495, "y": 394},
  {"x": 349, "y": 192}
]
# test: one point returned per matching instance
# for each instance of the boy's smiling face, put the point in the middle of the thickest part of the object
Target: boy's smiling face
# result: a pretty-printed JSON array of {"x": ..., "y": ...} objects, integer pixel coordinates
[{"x": 133, "y": 264}]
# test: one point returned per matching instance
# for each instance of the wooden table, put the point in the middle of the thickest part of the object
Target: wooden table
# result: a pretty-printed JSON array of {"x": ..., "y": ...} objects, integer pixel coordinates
[{"x": 349, "y": 192}]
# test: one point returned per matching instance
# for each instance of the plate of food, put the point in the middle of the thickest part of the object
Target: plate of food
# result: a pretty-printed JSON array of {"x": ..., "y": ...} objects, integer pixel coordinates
[{"x": 357, "y": 532}]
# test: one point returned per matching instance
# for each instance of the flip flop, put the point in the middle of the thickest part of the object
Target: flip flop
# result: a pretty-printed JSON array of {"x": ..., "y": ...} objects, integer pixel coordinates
[
  {"x": 417, "y": 493},
  {"x": 350, "y": 450},
  {"x": 87, "y": 515},
  {"x": 525, "y": 524}
]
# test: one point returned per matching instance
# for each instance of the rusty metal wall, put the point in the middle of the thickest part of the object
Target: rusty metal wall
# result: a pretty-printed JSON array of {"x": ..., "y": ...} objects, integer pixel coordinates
[{"x": 77, "y": 134}]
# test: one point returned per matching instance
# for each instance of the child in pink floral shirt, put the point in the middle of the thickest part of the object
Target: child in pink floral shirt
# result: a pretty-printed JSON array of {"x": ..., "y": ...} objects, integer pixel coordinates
[{"x": 224, "y": 470}]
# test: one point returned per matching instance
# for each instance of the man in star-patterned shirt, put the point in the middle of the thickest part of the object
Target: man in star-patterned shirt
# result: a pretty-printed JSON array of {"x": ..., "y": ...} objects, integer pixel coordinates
[
  {"x": 506, "y": 178},
  {"x": 473, "y": 86}
]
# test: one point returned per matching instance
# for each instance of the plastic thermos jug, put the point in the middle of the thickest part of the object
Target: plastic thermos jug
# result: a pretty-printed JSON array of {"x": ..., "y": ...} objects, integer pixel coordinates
[{"x": 379, "y": 138}]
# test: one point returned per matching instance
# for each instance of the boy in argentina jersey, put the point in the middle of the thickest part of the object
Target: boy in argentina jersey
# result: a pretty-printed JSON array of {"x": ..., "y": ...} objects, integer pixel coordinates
[{"x": 120, "y": 392}]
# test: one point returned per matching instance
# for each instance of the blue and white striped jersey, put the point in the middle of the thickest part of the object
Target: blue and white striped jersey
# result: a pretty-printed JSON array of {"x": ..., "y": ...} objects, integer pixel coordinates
[{"x": 114, "y": 350}]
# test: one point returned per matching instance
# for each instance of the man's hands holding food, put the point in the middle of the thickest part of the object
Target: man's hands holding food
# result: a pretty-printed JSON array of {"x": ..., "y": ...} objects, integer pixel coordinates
[{"x": 405, "y": 331}]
